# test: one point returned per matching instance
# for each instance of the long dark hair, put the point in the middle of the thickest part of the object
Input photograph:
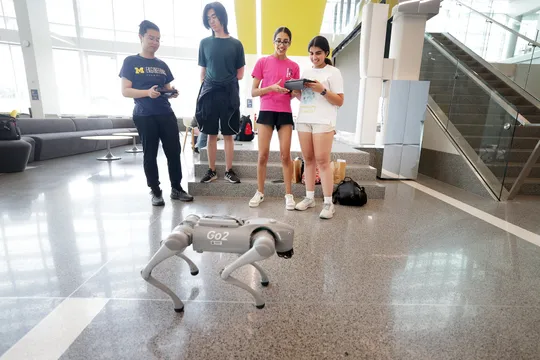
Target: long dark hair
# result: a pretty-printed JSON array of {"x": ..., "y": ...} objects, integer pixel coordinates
[
  {"x": 322, "y": 43},
  {"x": 285, "y": 30},
  {"x": 147, "y": 25},
  {"x": 221, "y": 14}
]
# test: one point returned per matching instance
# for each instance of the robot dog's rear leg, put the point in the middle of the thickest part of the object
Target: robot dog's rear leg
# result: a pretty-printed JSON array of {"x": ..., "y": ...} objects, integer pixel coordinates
[
  {"x": 263, "y": 247},
  {"x": 174, "y": 244},
  {"x": 192, "y": 267},
  {"x": 264, "y": 277}
]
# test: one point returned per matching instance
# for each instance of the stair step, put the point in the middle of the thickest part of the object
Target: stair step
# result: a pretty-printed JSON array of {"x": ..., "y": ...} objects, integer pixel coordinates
[
  {"x": 516, "y": 155},
  {"x": 524, "y": 143},
  {"x": 357, "y": 157},
  {"x": 248, "y": 187},
  {"x": 513, "y": 170},
  {"x": 478, "y": 119},
  {"x": 248, "y": 170},
  {"x": 531, "y": 186}
]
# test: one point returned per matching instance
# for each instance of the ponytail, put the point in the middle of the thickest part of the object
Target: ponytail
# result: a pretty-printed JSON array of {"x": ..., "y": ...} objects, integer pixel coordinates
[{"x": 328, "y": 61}]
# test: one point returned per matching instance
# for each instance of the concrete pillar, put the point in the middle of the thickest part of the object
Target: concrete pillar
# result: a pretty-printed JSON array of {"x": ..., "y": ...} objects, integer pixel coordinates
[
  {"x": 511, "y": 42},
  {"x": 36, "y": 46},
  {"x": 372, "y": 42}
]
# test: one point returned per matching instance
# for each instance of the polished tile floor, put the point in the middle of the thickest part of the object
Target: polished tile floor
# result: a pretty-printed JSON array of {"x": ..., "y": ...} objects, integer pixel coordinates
[{"x": 408, "y": 277}]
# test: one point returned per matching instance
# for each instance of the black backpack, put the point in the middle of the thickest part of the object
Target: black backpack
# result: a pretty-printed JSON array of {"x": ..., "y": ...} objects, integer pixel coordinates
[
  {"x": 246, "y": 130},
  {"x": 348, "y": 192},
  {"x": 8, "y": 128}
]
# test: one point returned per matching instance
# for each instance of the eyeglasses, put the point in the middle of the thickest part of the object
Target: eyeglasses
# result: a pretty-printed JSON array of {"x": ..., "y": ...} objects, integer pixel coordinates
[{"x": 284, "y": 43}]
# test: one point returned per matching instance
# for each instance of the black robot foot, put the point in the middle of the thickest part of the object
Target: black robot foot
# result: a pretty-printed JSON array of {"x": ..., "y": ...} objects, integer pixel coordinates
[
  {"x": 179, "y": 310},
  {"x": 265, "y": 283},
  {"x": 195, "y": 273},
  {"x": 259, "y": 306}
]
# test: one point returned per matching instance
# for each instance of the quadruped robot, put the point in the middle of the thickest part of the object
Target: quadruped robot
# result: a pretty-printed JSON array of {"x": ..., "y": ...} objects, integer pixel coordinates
[{"x": 255, "y": 239}]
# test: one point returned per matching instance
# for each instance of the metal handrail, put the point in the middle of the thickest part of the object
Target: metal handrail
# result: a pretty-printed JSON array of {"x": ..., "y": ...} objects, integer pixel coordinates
[{"x": 531, "y": 41}]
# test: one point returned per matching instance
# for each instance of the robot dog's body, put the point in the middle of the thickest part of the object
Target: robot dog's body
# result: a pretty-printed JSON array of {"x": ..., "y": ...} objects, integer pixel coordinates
[{"x": 256, "y": 239}]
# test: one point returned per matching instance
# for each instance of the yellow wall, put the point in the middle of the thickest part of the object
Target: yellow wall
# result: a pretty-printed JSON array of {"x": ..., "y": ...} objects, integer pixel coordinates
[
  {"x": 246, "y": 23},
  {"x": 302, "y": 17}
]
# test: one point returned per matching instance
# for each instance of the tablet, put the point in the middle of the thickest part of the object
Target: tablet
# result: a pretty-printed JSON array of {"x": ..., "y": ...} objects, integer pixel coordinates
[{"x": 297, "y": 84}]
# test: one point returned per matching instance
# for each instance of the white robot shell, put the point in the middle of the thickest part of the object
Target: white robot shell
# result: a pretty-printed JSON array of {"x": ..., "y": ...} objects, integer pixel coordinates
[{"x": 254, "y": 239}]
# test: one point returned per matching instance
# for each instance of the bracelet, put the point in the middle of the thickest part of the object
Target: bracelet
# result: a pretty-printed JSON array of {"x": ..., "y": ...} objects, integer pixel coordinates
[{"x": 323, "y": 92}]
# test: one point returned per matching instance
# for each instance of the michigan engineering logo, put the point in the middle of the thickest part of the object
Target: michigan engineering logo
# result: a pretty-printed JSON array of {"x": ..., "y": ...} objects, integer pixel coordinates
[{"x": 150, "y": 70}]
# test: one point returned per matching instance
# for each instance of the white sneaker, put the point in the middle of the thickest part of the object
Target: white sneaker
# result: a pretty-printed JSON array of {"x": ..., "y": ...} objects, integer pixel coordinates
[
  {"x": 257, "y": 199},
  {"x": 305, "y": 204},
  {"x": 327, "y": 211},
  {"x": 289, "y": 202}
]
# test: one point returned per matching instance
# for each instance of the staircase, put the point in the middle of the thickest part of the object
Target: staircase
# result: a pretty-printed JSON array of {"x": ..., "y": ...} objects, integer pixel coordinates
[
  {"x": 245, "y": 166},
  {"x": 484, "y": 124}
]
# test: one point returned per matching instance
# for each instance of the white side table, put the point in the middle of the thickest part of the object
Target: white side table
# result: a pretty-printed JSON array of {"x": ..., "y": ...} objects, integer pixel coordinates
[
  {"x": 108, "y": 138},
  {"x": 134, "y": 135}
]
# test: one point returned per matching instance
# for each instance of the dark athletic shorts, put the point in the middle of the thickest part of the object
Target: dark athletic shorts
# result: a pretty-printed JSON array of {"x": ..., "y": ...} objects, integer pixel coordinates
[
  {"x": 275, "y": 119},
  {"x": 218, "y": 119}
]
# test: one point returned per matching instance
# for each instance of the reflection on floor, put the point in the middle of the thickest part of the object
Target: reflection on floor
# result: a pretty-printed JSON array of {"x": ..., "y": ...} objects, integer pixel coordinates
[{"x": 408, "y": 277}]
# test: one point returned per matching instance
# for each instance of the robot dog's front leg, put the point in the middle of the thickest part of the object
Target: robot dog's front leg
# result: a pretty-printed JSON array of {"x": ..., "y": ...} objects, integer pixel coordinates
[
  {"x": 263, "y": 246},
  {"x": 173, "y": 245}
]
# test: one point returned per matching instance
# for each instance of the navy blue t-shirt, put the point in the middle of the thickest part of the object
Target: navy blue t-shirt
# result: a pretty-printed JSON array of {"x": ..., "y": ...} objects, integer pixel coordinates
[{"x": 145, "y": 73}]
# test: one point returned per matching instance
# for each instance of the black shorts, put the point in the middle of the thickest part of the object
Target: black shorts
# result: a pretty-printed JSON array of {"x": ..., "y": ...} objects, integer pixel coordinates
[
  {"x": 219, "y": 117},
  {"x": 275, "y": 119}
]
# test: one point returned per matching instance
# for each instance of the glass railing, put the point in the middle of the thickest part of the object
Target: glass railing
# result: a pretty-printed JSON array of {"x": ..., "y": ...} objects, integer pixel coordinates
[
  {"x": 497, "y": 40},
  {"x": 479, "y": 120}
]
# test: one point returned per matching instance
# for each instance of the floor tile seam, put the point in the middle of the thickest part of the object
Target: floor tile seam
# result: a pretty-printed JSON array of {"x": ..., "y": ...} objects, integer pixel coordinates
[{"x": 374, "y": 304}]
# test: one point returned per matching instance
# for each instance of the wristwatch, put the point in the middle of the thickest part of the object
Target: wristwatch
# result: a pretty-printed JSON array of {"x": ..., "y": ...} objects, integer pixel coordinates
[{"x": 323, "y": 92}]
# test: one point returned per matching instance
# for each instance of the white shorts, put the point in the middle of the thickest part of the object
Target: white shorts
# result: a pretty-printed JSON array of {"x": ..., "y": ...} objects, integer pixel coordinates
[{"x": 315, "y": 128}]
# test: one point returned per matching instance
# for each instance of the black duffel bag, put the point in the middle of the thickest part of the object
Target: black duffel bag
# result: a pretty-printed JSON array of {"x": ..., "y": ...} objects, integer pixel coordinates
[
  {"x": 8, "y": 128},
  {"x": 348, "y": 192}
]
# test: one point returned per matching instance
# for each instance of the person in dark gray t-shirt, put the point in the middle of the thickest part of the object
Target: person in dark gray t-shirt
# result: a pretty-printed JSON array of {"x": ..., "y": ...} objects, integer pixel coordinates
[{"x": 222, "y": 62}]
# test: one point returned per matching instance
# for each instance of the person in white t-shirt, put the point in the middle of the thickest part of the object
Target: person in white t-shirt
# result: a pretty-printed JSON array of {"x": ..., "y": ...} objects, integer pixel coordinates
[{"x": 316, "y": 122}]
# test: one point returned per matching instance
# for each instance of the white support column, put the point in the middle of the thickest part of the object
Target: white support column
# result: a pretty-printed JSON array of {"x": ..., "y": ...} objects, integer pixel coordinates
[
  {"x": 406, "y": 97},
  {"x": 408, "y": 28},
  {"x": 38, "y": 56},
  {"x": 372, "y": 42}
]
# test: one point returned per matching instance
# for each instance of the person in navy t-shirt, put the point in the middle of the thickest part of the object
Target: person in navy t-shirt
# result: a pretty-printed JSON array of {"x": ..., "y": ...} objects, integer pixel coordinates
[{"x": 142, "y": 75}]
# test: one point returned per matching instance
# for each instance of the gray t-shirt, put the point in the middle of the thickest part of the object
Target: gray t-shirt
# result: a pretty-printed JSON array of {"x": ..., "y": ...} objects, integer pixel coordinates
[{"x": 221, "y": 58}]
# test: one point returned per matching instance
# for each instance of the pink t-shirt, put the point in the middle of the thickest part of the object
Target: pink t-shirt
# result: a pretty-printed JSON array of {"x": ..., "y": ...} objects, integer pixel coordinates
[{"x": 270, "y": 70}]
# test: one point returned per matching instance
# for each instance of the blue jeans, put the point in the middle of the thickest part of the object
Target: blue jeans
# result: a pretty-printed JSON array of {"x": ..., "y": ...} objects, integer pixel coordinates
[{"x": 202, "y": 141}]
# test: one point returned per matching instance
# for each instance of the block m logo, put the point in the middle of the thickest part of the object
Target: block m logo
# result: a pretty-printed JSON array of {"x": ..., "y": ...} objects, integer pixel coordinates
[{"x": 139, "y": 70}]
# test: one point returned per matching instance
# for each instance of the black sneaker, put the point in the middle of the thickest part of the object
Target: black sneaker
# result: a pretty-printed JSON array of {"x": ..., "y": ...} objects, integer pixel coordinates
[
  {"x": 196, "y": 150},
  {"x": 230, "y": 176},
  {"x": 210, "y": 176},
  {"x": 157, "y": 199},
  {"x": 180, "y": 195}
]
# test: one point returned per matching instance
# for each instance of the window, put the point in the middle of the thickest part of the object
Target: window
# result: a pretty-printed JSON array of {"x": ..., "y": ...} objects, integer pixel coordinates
[
  {"x": 96, "y": 13},
  {"x": 13, "y": 87},
  {"x": 60, "y": 12},
  {"x": 67, "y": 66},
  {"x": 8, "y": 19},
  {"x": 103, "y": 84},
  {"x": 186, "y": 74},
  {"x": 128, "y": 14},
  {"x": 61, "y": 17}
]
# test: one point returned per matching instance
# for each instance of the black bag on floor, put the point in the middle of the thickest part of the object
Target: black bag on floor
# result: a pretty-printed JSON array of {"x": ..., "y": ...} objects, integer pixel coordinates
[
  {"x": 348, "y": 192},
  {"x": 246, "y": 130},
  {"x": 8, "y": 128}
]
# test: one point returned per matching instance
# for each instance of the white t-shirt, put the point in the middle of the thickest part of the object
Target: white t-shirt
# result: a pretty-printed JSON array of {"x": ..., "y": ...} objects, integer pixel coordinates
[{"x": 314, "y": 108}]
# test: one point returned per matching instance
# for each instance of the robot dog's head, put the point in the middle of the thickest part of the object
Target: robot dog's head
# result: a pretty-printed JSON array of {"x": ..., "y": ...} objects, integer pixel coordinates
[{"x": 284, "y": 242}]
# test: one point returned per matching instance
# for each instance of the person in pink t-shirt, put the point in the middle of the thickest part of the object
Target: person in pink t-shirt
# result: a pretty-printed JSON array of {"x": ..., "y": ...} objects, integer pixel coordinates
[{"x": 269, "y": 76}]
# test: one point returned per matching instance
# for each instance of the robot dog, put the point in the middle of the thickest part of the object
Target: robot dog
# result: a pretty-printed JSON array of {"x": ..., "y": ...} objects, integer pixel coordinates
[{"x": 255, "y": 239}]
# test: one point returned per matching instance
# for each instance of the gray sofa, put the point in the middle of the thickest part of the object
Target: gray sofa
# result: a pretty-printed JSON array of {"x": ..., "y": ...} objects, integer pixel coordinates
[{"x": 53, "y": 138}]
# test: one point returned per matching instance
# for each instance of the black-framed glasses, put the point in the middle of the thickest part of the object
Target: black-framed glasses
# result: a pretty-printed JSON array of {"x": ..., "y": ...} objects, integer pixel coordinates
[{"x": 279, "y": 42}]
